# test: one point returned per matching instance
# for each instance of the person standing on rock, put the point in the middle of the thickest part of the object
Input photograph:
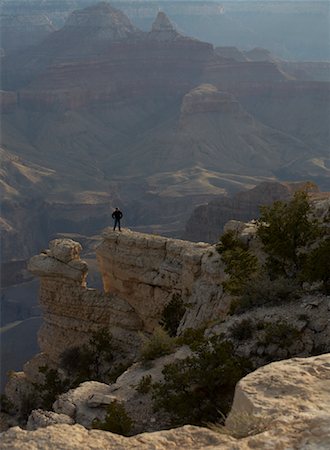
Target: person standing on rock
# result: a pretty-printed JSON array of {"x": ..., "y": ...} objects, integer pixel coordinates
[{"x": 117, "y": 215}]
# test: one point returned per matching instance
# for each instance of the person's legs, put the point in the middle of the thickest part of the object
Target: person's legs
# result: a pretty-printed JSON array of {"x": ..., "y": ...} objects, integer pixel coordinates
[
  {"x": 116, "y": 223},
  {"x": 119, "y": 224}
]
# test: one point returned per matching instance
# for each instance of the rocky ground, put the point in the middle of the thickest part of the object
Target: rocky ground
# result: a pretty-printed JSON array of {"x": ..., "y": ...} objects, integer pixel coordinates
[{"x": 283, "y": 405}]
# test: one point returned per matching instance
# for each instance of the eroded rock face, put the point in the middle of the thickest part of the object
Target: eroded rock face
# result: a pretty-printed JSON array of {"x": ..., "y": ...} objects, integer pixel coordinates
[
  {"x": 90, "y": 399},
  {"x": 71, "y": 311},
  {"x": 41, "y": 419},
  {"x": 147, "y": 271}
]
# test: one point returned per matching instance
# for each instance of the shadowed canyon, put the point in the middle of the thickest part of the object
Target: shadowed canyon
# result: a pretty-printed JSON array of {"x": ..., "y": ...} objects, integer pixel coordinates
[{"x": 105, "y": 107}]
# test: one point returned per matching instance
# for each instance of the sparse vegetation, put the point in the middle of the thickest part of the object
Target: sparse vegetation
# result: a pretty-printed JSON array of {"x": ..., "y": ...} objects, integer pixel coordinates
[
  {"x": 286, "y": 230},
  {"x": 261, "y": 290},
  {"x": 51, "y": 388},
  {"x": 241, "y": 264},
  {"x": 200, "y": 388},
  {"x": 90, "y": 361},
  {"x": 297, "y": 250},
  {"x": 280, "y": 333},
  {"x": 242, "y": 425},
  {"x": 172, "y": 315},
  {"x": 242, "y": 330},
  {"x": 317, "y": 265},
  {"x": 116, "y": 420},
  {"x": 6, "y": 405},
  {"x": 144, "y": 385},
  {"x": 193, "y": 337},
  {"x": 159, "y": 344}
]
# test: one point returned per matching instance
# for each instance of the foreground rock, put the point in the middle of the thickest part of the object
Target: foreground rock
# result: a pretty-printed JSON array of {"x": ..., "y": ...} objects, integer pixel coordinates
[{"x": 280, "y": 406}]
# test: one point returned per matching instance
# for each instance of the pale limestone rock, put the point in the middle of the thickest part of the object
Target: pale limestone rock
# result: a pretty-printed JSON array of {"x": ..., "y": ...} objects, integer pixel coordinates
[
  {"x": 71, "y": 311},
  {"x": 31, "y": 367},
  {"x": 65, "y": 250},
  {"x": 140, "y": 406},
  {"x": 147, "y": 271},
  {"x": 17, "y": 388},
  {"x": 47, "y": 266},
  {"x": 292, "y": 387},
  {"x": 75, "y": 403},
  {"x": 90, "y": 399},
  {"x": 286, "y": 404},
  {"x": 41, "y": 419},
  {"x": 78, "y": 438}
]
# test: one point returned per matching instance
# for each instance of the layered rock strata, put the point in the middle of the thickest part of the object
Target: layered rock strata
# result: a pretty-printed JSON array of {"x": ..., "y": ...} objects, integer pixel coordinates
[
  {"x": 147, "y": 271},
  {"x": 71, "y": 311}
]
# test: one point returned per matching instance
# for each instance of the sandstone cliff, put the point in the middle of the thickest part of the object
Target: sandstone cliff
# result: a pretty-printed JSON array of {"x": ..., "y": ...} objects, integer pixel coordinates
[{"x": 71, "y": 310}]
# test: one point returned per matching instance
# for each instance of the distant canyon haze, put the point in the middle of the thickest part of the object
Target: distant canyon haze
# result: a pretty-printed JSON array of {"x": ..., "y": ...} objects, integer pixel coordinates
[{"x": 154, "y": 107}]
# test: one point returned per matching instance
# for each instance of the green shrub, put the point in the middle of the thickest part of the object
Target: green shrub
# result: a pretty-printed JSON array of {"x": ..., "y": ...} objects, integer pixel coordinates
[
  {"x": 28, "y": 402},
  {"x": 51, "y": 388},
  {"x": 200, "y": 388},
  {"x": 280, "y": 333},
  {"x": 159, "y": 344},
  {"x": 317, "y": 265},
  {"x": 193, "y": 337},
  {"x": 116, "y": 420},
  {"x": 6, "y": 406},
  {"x": 262, "y": 290},
  {"x": 172, "y": 315},
  {"x": 242, "y": 330},
  {"x": 89, "y": 361},
  {"x": 286, "y": 230},
  {"x": 144, "y": 385},
  {"x": 240, "y": 263}
]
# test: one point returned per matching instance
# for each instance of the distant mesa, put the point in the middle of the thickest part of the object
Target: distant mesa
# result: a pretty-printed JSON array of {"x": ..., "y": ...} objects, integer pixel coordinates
[
  {"x": 207, "y": 98},
  {"x": 101, "y": 19},
  {"x": 260, "y": 54},
  {"x": 231, "y": 53}
]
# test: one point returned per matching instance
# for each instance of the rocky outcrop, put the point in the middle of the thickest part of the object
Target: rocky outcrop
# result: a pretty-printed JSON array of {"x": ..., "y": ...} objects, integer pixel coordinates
[
  {"x": 216, "y": 132},
  {"x": 162, "y": 29},
  {"x": 207, "y": 98},
  {"x": 41, "y": 419},
  {"x": 282, "y": 405},
  {"x": 207, "y": 221},
  {"x": 90, "y": 399},
  {"x": 110, "y": 23},
  {"x": 72, "y": 311},
  {"x": 147, "y": 271}
]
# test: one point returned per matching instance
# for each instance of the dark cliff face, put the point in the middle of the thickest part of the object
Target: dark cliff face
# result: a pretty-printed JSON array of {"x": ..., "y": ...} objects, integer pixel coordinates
[
  {"x": 207, "y": 221},
  {"x": 99, "y": 55}
]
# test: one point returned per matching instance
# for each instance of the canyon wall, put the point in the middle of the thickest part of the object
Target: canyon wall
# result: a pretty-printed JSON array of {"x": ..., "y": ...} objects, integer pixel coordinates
[
  {"x": 71, "y": 311},
  {"x": 148, "y": 270},
  {"x": 141, "y": 274}
]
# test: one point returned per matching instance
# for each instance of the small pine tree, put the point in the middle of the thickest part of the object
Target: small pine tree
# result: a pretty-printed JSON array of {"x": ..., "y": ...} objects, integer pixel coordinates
[
  {"x": 240, "y": 263},
  {"x": 286, "y": 229},
  {"x": 116, "y": 420}
]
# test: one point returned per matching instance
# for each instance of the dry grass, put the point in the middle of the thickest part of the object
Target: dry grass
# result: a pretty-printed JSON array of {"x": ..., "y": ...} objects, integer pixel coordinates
[{"x": 242, "y": 425}]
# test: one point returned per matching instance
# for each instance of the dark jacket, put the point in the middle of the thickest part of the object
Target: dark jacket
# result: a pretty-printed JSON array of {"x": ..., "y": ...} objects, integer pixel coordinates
[{"x": 117, "y": 214}]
